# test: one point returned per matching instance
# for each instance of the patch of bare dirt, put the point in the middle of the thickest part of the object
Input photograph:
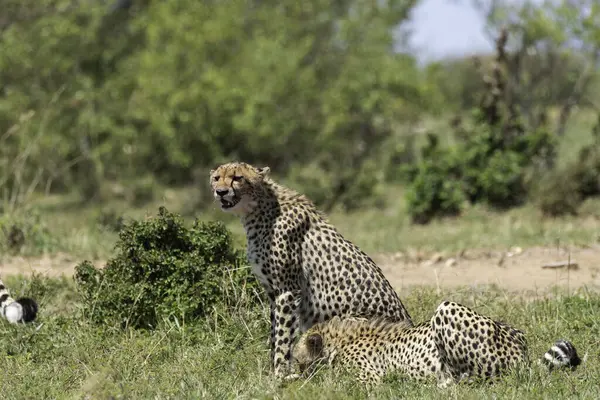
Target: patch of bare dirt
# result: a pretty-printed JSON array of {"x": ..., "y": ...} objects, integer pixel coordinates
[
  {"x": 537, "y": 268},
  {"x": 514, "y": 270},
  {"x": 49, "y": 265}
]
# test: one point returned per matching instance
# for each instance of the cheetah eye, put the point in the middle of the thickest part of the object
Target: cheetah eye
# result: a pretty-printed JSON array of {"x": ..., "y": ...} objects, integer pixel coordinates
[
  {"x": 215, "y": 178},
  {"x": 237, "y": 178}
]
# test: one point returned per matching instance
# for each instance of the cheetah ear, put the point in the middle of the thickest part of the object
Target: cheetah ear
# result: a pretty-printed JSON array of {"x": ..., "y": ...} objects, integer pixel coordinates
[
  {"x": 315, "y": 344},
  {"x": 212, "y": 171},
  {"x": 264, "y": 171}
]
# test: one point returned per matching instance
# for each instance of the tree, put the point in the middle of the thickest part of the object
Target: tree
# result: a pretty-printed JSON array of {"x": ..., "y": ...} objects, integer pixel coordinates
[
  {"x": 164, "y": 88},
  {"x": 554, "y": 52}
]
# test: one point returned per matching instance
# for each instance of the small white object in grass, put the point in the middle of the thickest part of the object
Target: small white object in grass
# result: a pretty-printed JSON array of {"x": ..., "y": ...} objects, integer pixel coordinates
[
  {"x": 13, "y": 312},
  {"x": 514, "y": 251},
  {"x": 451, "y": 262}
]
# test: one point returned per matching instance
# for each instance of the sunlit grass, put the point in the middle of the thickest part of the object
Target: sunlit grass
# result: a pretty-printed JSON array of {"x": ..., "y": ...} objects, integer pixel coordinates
[
  {"x": 63, "y": 356},
  {"x": 225, "y": 356}
]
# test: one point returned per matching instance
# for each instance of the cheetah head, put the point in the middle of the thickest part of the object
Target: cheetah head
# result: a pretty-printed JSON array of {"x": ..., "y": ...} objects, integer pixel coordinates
[
  {"x": 309, "y": 352},
  {"x": 234, "y": 186}
]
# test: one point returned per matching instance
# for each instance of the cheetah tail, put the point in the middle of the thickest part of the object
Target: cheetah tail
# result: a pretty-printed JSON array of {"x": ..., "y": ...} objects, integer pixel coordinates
[
  {"x": 562, "y": 354},
  {"x": 21, "y": 310}
]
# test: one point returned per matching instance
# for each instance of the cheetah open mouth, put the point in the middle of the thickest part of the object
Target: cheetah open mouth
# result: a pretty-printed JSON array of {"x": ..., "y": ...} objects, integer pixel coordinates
[{"x": 226, "y": 204}]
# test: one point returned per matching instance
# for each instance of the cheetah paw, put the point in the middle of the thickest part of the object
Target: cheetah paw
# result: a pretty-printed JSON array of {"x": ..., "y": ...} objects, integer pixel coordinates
[
  {"x": 291, "y": 377},
  {"x": 445, "y": 383}
]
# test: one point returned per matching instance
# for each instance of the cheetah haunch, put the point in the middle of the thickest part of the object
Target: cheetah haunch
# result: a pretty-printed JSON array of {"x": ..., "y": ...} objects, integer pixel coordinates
[
  {"x": 310, "y": 272},
  {"x": 456, "y": 344}
]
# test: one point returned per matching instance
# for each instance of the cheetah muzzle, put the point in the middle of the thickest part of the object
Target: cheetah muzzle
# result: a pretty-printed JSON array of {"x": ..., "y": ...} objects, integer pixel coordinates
[{"x": 226, "y": 197}]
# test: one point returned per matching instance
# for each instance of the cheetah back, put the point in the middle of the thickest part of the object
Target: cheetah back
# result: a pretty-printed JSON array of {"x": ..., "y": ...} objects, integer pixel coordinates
[{"x": 456, "y": 343}]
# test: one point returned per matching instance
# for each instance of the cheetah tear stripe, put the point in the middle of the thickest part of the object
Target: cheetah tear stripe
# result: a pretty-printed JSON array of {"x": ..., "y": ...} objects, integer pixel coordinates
[
  {"x": 562, "y": 354},
  {"x": 16, "y": 311}
]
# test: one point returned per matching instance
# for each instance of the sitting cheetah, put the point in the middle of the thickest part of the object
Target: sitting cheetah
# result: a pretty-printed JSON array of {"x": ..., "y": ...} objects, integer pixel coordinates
[
  {"x": 457, "y": 343},
  {"x": 15, "y": 311},
  {"x": 310, "y": 272}
]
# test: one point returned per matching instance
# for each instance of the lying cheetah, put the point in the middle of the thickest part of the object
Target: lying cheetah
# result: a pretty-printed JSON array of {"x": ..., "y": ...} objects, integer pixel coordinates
[
  {"x": 457, "y": 343},
  {"x": 15, "y": 311},
  {"x": 310, "y": 272}
]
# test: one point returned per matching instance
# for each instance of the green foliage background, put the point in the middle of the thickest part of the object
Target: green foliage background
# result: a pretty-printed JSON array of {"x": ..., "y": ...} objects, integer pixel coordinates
[
  {"x": 327, "y": 94},
  {"x": 172, "y": 86}
]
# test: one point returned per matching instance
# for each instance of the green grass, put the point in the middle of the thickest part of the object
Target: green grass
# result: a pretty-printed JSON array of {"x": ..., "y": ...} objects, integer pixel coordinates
[
  {"x": 76, "y": 230},
  {"x": 225, "y": 356},
  {"x": 390, "y": 230}
]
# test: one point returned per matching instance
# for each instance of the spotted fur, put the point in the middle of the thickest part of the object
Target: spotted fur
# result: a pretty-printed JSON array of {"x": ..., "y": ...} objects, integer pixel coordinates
[
  {"x": 456, "y": 344},
  {"x": 16, "y": 311},
  {"x": 310, "y": 272}
]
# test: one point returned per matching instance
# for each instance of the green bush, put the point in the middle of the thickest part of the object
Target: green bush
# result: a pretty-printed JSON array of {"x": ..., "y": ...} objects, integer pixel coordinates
[
  {"x": 488, "y": 164},
  {"x": 501, "y": 181},
  {"x": 164, "y": 270},
  {"x": 500, "y": 148},
  {"x": 435, "y": 189},
  {"x": 496, "y": 160},
  {"x": 431, "y": 195}
]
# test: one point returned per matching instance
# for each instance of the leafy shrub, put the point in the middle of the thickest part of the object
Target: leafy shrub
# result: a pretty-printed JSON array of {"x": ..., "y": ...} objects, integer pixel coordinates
[
  {"x": 495, "y": 156},
  {"x": 164, "y": 270},
  {"x": 496, "y": 163},
  {"x": 489, "y": 164},
  {"x": 435, "y": 188},
  {"x": 501, "y": 180}
]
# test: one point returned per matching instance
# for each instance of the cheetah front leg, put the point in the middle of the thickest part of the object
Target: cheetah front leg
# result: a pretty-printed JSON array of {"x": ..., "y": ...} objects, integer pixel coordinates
[
  {"x": 285, "y": 322},
  {"x": 272, "y": 334}
]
